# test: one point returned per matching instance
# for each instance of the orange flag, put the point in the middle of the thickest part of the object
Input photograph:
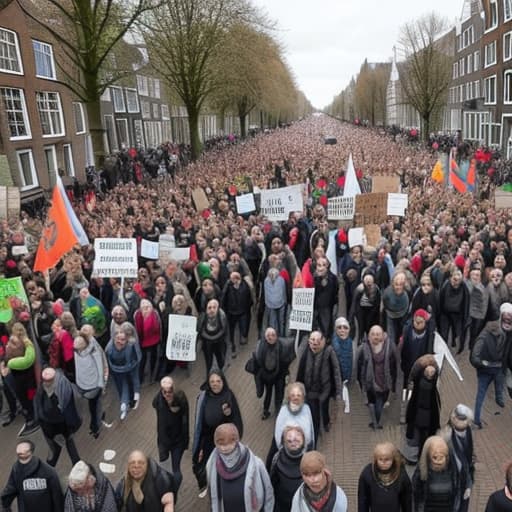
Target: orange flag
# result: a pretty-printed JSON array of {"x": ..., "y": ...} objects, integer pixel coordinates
[
  {"x": 58, "y": 236},
  {"x": 437, "y": 172}
]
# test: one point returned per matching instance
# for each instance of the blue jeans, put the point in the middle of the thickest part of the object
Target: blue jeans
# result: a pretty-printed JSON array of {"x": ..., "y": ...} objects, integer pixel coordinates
[
  {"x": 485, "y": 377},
  {"x": 277, "y": 320},
  {"x": 126, "y": 382}
]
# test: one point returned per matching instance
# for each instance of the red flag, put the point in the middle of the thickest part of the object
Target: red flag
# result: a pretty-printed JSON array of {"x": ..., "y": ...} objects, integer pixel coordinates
[{"x": 58, "y": 236}]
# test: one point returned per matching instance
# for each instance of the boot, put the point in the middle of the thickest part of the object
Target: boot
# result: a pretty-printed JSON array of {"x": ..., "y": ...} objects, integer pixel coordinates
[
  {"x": 55, "y": 450},
  {"x": 72, "y": 451},
  {"x": 373, "y": 417}
]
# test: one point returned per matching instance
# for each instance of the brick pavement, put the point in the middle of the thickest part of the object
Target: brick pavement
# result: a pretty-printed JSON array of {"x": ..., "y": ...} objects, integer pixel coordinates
[{"x": 347, "y": 447}]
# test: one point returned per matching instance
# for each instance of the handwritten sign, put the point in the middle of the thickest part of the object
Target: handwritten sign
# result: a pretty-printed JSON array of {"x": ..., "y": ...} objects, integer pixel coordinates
[
  {"x": 245, "y": 203},
  {"x": 181, "y": 340},
  {"x": 278, "y": 203},
  {"x": 397, "y": 204},
  {"x": 149, "y": 249},
  {"x": 340, "y": 208},
  {"x": 115, "y": 257},
  {"x": 301, "y": 315},
  {"x": 356, "y": 237}
]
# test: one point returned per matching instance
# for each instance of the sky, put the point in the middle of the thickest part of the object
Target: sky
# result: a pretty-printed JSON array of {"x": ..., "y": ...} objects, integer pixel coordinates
[{"x": 326, "y": 41}]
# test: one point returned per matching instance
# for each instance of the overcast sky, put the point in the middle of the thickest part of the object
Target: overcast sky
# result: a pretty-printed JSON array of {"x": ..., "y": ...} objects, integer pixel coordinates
[{"x": 326, "y": 41}]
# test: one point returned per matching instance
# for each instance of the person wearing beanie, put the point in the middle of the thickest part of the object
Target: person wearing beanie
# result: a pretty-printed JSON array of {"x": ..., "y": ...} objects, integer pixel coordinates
[
  {"x": 457, "y": 434},
  {"x": 501, "y": 500},
  {"x": 384, "y": 485},
  {"x": 237, "y": 479},
  {"x": 454, "y": 309},
  {"x": 285, "y": 472},
  {"x": 89, "y": 490},
  {"x": 427, "y": 297},
  {"x": 318, "y": 490},
  {"x": 423, "y": 408},
  {"x": 487, "y": 357}
]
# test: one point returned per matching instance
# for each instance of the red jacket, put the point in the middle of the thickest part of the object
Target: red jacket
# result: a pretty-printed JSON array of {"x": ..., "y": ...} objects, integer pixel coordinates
[{"x": 148, "y": 329}]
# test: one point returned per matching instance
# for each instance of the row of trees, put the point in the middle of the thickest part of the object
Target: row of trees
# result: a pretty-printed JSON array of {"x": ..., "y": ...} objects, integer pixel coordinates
[
  {"x": 210, "y": 54},
  {"x": 426, "y": 50}
]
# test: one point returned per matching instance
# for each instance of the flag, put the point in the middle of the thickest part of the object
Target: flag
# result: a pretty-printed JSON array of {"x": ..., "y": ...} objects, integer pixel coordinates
[
  {"x": 61, "y": 232},
  {"x": 458, "y": 181},
  {"x": 351, "y": 188},
  {"x": 437, "y": 172},
  {"x": 471, "y": 176}
]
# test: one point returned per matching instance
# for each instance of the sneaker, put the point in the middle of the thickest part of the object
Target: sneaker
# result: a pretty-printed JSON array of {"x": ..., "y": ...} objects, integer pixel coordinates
[
  {"x": 104, "y": 421},
  {"x": 28, "y": 428},
  {"x": 500, "y": 403},
  {"x": 136, "y": 400},
  {"x": 203, "y": 492},
  {"x": 124, "y": 411}
]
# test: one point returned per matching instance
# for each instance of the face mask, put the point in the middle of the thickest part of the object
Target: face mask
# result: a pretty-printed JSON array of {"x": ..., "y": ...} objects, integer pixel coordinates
[{"x": 230, "y": 459}]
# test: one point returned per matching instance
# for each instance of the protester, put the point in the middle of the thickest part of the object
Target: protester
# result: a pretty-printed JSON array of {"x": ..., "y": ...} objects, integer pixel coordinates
[{"x": 501, "y": 501}]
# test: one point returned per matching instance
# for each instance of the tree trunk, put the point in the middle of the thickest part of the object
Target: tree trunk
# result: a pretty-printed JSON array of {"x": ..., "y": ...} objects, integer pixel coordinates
[
  {"x": 193, "y": 127},
  {"x": 96, "y": 130},
  {"x": 243, "y": 125}
]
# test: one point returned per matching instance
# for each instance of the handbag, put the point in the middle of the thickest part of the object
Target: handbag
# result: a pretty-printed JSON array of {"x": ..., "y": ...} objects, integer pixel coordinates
[{"x": 252, "y": 365}]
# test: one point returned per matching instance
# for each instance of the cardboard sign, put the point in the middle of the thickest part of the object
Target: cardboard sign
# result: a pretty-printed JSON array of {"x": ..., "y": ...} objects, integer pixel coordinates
[
  {"x": 149, "y": 249},
  {"x": 373, "y": 234},
  {"x": 13, "y": 299},
  {"x": 301, "y": 315},
  {"x": 245, "y": 203},
  {"x": 115, "y": 257},
  {"x": 278, "y": 203},
  {"x": 340, "y": 208},
  {"x": 200, "y": 199},
  {"x": 356, "y": 237},
  {"x": 371, "y": 208},
  {"x": 181, "y": 340},
  {"x": 385, "y": 183},
  {"x": 397, "y": 204},
  {"x": 502, "y": 199}
]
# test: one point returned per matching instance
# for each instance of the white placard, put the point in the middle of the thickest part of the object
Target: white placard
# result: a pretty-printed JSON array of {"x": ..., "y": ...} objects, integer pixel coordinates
[
  {"x": 340, "y": 208},
  {"x": 301, "y": 315},
  {"x": 115, "y": 257},
  {"x": 19, "y": 250},
  {"x": 181, "y": 340},
  {"x": 179, "y": 254},
  {"x": 149, "y": 249},
  {"x": 277, "y": 203},
  {"x": 356, "y": 237},
  {"x": 397, "y": 203},
  {"x": 166, "y": 243},
  {"x": 245, "y": 203}
]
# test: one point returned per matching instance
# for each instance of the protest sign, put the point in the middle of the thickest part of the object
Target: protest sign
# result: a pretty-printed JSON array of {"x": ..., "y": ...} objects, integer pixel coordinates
[
  {"x": 397, "y": 204},
  {"x": 278, "y": 203},
  {"x": 19, "y": 250},
  {"x": 181, "y": 340},
  {"x": 166, "y": 243},
  {"x": 149, "y": 249},
  {"x": 13, "y": 299},
  {"x": 301, "y": 315},
  {"x": 372, "y": 234},
  {"x": 502, "y": 199},
  {"x": 200, "y": 199},
  {"x": 356, "y": 237},
  {"x": 245, "y": 203},
  {"x": 115, "y": 257},
  {"x": 371, "y": 208},
  {"x": 340, "y": 208},
  {"x": 179, "y": 253},
  {"x": 385, "y": 183}
]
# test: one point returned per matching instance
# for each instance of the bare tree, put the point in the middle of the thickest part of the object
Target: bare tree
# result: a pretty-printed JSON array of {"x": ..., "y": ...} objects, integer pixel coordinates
[
  {"x": 87, "y": 33},
  {"x": 370, "y": 92},
  {"x": 425, "y": 73}
]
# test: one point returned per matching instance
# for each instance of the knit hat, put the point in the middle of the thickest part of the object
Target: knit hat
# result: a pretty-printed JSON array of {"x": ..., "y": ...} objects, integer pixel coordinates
[
  {"x": 79, "y": 473},
  {"x": 422, "y": 313},
  {"x": 461, "y": 417},
  {"x": 341, "y": 321}
]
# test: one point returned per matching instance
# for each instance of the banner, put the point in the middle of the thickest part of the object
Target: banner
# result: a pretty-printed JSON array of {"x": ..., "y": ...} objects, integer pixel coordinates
[
  {"x": 115, "y": 257},
  {"x": 278, "y": 203},
  {"x": 397, "y": 204},
  {"x": 245, "y": 203},
  {"x": 340, "y": 208},
  {"x": 181, "y": 340},
  {"x": 149, "y": 249},
  {"x": 13, "y": 299},
  {"x": 301, "y": 315}
]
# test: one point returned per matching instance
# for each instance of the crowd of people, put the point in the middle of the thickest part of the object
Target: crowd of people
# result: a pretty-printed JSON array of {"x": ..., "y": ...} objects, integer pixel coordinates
[{"x": 443, "y": 270}]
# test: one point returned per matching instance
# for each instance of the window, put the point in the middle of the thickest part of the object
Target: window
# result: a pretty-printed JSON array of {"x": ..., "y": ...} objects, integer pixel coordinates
[
  {"x": 493, "y": 16},
  {"x": 132, "y": 100},
  {"x": 507, "y": 87},
  {"x": 10, "y": 56},
  {"x": 507, "y": 46},
  {"x": 455, "y": 73},
  {"x": 43, "y": 54},
  {"x": 142, "y": 85},
  {"x": 106, "y": 95},
  {"x": 165, "y": 112},
  {"x": 490, "y": 90},
  {"x": 476, "y": 60},
  {"x": 146, "y": 109},
  {"x": 462, "y": 66},
  {"x": 50, "y": 113},
  {"x": 28, "y": 175},
  {"x": 477, "y": 88},
  {"x": 470, "y": 64},
  {"x": 138, "y": 132},
  {"x": 78, "y": 114},
  {"x": 507, "y": 10},
  {"x": 118, "y": 99},
  {"x": 474, "y": 125},
  {"x": 156, "y": 86},
  {"x": 122, "y": 131},
  {"x": 467, "y": 37},
  {"x": 69, "y": 165},
  {"x": 490, "y": 54},
  {"x": 156, "y": 110},
  {"x": 110, "y": 133},
  {"x": 50, "y": 156},
  {"x": 16, "y": 111}
]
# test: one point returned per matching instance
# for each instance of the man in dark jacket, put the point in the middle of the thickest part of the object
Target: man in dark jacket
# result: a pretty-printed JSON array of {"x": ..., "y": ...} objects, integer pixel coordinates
[
  {"x": 319, "y": 371},
  {"x": 488, "y": 357},
  {"x": 172, "y": 417},
  {"x": 35, "y": 484}
]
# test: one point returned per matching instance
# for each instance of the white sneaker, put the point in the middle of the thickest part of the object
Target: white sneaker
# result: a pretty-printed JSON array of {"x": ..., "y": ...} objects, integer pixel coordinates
[
  {"x": 136, "y": 400},
  {"x": 124, "y": 411},
  {"x": 203, "y": 492}
]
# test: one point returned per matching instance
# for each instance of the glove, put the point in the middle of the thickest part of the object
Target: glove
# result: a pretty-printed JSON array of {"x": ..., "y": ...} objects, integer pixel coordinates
[{"x": 467, "y": 494}]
